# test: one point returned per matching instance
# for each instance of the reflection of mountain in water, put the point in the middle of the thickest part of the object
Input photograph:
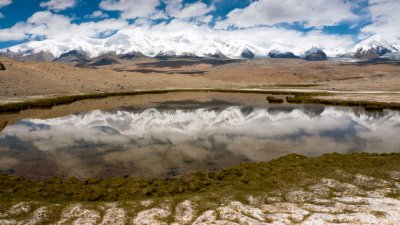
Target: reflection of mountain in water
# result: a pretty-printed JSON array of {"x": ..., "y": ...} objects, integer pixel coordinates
[
  {"x": 151, "y": 142},
  {"x": 236, "y": 119}
]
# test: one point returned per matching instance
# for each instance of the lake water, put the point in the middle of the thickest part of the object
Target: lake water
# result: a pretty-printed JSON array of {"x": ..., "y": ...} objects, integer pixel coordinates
[{"x": 162, "y": 142}]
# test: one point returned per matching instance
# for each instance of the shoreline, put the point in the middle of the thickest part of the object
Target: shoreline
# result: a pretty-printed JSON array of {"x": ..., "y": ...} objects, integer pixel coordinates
[{"x": 314, "y": 96}]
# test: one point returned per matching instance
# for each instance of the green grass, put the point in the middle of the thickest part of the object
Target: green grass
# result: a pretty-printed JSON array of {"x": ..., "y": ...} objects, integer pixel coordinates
[
  {"x": 62, "y": 100},
  {"x": 309, "y": 97},
  {"x": 368, "y": 105},
  {"x": 50, "y": 102},
  {"x": 298, "y": 98},
  {"x": 239, "y": 181},
  {"x": 297, "y": 85}
]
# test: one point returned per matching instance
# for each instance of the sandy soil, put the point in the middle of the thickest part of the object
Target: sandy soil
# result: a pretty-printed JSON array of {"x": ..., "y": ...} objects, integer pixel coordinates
[
  {"x": 22, "y": 81},
  {"x": 365, "y": 200}
]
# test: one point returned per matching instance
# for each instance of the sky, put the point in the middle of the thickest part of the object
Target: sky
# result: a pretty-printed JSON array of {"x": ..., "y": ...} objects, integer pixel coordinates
[{"x": 331, "y": 22}]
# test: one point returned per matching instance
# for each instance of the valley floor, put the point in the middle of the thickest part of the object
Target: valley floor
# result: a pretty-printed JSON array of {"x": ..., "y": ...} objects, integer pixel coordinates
[{"x": 22, "y": 81}]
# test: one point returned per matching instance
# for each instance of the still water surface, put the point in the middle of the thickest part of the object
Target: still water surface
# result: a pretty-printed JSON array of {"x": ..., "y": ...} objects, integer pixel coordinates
[{"x": 166, "y": 142}]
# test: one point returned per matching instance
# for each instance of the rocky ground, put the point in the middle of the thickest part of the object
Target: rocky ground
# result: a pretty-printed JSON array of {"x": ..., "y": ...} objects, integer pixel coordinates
[
  {"x": 331, "y": 189},
  {"x": 365, "y": 200}
]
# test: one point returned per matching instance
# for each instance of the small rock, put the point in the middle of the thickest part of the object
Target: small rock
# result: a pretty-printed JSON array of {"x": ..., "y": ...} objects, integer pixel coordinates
[{"x": 2, "y": 67}]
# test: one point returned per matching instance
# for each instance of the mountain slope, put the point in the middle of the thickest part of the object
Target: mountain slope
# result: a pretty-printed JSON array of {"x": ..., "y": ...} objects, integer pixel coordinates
[
  {"x": 152, "y": 45},
  {"x": 375, "y": 46},
  {"x": 140, "y": 42}
]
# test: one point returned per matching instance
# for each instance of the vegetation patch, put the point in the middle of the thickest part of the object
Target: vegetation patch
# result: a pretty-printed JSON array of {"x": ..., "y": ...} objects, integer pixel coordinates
[
  {"x": 273, "y": 100},
  {"x": 297, "y": 85},
  {"x": 368, "y": 105},
  {"x": 286, "y": 173},
  {"x": 294, "y": 98},
  {"x": 62, "y": 100}
]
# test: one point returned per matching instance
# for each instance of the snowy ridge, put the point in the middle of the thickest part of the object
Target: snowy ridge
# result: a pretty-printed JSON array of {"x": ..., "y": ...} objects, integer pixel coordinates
[
  {"x": 137, "y": 41},
  {"x": 154, "y": 44},
  {"x": 376, "y": 42}
]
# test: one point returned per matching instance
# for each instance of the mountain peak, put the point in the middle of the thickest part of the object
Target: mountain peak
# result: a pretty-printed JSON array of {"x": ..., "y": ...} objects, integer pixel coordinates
[
  {"x": 192, "y": 44},
  {"x": 375, "y": 46},
  {"x": 315, "y": 54}
]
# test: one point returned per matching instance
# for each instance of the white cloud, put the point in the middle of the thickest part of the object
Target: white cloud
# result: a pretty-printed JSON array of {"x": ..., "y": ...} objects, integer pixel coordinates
[
  {"x": 98, "y": 14},
  {"x": 5, "y": 3},
  {"x": 265, "y": 38},
  {"x": 132, "y": 9},
  {"x": 10, "y": 35},
  {"x": 316, "y": 13},
  {"x": 186, "y": 18},
  {"x": 179, "y": 34},
  {"x": 176, "y": 9},
  {"x": 385, "y": 16},
  {"x": 49, "y": 25},
  {"x": 58, "y": 5}
]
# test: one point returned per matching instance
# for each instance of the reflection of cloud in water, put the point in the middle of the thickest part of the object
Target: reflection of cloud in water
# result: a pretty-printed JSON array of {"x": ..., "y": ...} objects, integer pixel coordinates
[{"x": 156, "y": 142}]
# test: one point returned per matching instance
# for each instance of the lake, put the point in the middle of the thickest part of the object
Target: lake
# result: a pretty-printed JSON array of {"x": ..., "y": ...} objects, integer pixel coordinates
[{"x": 164, "y": 138}]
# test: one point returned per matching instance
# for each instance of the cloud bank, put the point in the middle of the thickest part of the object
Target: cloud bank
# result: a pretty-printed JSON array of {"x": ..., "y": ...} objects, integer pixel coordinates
[
  {"x": 297, "y": 23},
  {"x": 308, "y": 12},
  {"x": 5, "y": 3}
]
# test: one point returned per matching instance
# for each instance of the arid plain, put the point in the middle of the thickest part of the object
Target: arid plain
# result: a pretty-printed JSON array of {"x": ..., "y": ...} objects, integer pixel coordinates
[{"x": 30, "y": 80}]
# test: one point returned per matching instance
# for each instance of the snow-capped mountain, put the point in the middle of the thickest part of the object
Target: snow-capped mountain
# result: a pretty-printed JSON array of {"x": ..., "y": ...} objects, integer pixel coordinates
[
  {"x": 392, "y": 56},
  {"x": 152, "y": 44},
  {"x": 140, "y": 42},
  {"x": 314, "y": 54},
  {"x": 375, "y": 46},
  {"x": 282, "y": 55},
  {"x": 125, "y": 42}
]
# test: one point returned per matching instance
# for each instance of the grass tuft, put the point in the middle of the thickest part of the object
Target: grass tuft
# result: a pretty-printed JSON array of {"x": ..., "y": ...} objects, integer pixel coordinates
[{"x": 240, "y": 181}]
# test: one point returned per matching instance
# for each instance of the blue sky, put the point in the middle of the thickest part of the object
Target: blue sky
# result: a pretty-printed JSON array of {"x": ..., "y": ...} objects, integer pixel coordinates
[{"x": 27, "y": 20}]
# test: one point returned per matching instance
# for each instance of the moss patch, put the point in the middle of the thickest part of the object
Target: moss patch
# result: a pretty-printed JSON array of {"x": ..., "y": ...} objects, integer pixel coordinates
[
  {"x": 239, "y": 181},
  {"x": 273, "y": 100},
  {"x": 297, "y": 85},
  {"x": 306, "y": 97},
  {"x": 368, "y": 105},
  {"x": 62, "y": 100}
]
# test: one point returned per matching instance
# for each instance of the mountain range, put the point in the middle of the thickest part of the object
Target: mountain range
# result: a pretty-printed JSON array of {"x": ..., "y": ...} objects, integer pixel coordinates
[{"x": 128, "y": 44}]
